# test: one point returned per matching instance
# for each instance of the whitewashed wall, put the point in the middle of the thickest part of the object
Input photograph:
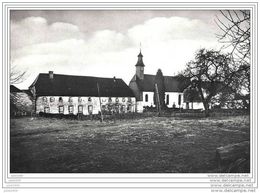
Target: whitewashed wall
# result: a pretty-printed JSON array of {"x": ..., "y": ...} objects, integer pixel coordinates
[
  {"x": 54, "y": 105},
  {"x": 194, "y": 105},
  {"x": 174, "y": 98},
  {"x": 150, "y": 101}
]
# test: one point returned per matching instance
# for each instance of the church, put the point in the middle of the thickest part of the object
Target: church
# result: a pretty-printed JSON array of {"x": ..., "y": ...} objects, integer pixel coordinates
[
  {"x": 143, "y": 86},
  {"x": 68, "y": 94}
]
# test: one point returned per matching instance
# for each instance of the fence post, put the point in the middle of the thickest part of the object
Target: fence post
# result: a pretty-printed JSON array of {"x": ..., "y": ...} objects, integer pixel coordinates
[{"x": 158, "y": 105}]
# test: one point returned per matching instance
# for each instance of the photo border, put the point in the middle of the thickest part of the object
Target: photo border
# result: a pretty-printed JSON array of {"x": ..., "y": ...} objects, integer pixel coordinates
[{"x": 163, "y": 180}]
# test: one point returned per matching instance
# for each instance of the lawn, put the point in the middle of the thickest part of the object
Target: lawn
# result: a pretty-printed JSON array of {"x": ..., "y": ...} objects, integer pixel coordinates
[{"x": 143, "y": 145}]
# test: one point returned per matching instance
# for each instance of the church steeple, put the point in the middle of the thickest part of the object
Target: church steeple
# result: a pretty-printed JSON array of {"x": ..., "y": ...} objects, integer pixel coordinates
[
  {"x": 140, "y": 59},
  {"x": 140, "y": 66}
]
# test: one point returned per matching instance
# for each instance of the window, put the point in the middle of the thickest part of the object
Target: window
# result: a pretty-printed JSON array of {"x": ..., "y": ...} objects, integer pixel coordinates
[
  {"x": 117, "y": 108},
  {"x": 52, "y": 99},
  {"x": 129, "y": 108},
  {"x": 117, "y": 100},
  {"x": 129, "y": 99},
  {"x": 103, "y": 108},
  {"x": 89, "y": 99},
  {"x": 167, "y": 99},
  {"x": 123, "y": 100},
  {"x": 179, "y": 100},
  {"x": 123, "y": 108},
  {"x": 61, "y": 109},
  {"x": 71, "y": 109},
  {"x": 110, "y": 99},
  {"x": 80, "y": 109},
  {"x": 146, "y": 97},
  {"x": 46, "y": 109},
  {"x": 70, "y": 99},
  {"x": 90, "y": 109}
]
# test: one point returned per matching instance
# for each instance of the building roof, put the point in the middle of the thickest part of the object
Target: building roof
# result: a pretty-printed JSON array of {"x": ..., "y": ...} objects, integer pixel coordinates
[
  {"x": 140, "y": 60},
  {"x": 172, "y": 83},
  {"x": 14, "y": 89},
  {"x": 68, "y": 85}
]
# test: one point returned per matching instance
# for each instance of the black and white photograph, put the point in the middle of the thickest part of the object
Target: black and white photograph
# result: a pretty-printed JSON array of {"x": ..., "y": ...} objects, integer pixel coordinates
[{"x": 129, "y": 91}]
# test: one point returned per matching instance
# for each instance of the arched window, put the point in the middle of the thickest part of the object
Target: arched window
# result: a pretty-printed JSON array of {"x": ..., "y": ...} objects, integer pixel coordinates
[
  {"x": 146, "y": 97},
  {"x": 179, "y": 100},
  {"x": 167, "y": 99}
]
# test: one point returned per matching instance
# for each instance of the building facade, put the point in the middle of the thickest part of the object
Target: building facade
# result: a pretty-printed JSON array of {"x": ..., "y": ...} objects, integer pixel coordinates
[{"x": 66, "y": 94}]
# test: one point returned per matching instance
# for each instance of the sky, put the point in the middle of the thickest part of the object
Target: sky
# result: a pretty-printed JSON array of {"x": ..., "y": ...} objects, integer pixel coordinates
[{"x": 105, "y": 43}]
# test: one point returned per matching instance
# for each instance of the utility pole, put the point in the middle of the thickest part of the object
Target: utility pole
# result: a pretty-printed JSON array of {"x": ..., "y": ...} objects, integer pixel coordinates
[
  {"x": 100, "y": 103},
  {"x": 158, "y": 105}
]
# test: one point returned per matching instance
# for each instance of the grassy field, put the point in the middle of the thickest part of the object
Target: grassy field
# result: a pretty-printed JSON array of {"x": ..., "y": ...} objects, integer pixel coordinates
[{"x": 154, "y": 144}]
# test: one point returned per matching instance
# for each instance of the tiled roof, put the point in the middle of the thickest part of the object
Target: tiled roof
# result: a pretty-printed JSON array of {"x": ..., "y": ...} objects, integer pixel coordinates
[
  {"x": 172, "y": 83},
  {"x": 67, "y": 85}
]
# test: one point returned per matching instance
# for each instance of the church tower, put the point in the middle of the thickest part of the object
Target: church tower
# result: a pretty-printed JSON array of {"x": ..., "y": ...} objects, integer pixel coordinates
[{"x": 140, "y": 66}]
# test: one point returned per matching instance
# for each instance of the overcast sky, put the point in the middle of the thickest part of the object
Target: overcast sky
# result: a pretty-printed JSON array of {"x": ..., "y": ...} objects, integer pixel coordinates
[{"x": 106, "y": 43}]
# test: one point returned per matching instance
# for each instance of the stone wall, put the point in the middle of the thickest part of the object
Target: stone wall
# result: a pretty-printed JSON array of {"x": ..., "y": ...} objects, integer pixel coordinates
[{"x": 84, "y": 105}]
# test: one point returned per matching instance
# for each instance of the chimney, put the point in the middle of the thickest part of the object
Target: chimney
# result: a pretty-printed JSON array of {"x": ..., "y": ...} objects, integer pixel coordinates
[{"x": 51, "y": 74}]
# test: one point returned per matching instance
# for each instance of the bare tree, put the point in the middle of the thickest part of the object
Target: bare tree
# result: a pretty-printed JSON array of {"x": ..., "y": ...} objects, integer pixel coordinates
[
  {"x": 16, "y": 76},
  {"x": 213, "y": 73},
  {"x": 235, "y": 27}
]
